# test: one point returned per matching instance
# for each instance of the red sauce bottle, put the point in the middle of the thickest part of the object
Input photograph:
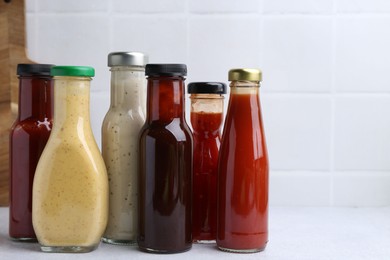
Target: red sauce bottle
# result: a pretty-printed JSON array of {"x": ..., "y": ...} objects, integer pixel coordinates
[
  {"x": 28, "y": 137},
  {"x": 243, "y": 169},
  {"x": 165, "y": 178},
  {"x": 206, "y": 119}
]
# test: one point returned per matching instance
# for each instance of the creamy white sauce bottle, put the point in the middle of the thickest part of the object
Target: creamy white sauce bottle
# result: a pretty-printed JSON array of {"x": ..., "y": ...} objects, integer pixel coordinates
[{"x": 120, "y": 130}]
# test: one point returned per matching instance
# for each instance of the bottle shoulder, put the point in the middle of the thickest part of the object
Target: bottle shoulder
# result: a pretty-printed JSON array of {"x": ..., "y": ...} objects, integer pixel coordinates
[
  {"x": 32, "y": 125},
  {"x": 68, "y": 134},
  {"x": 115, "y": 121},
  {"x": 67, "y": 147},
  {"x": 176, "y": 129},
  {"x": 124, "y": 114},
  {"x": 207, "y": 139}
]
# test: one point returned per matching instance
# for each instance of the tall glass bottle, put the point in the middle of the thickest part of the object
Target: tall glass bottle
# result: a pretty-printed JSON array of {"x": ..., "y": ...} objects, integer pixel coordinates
[
  {"x": 165, "y": 164},
  {"x": 243, "y": 169},
  {"x": 120, "y": 130},
  {"x": 206, "y": 120},
  {"x": 70, "y": 191},
  {"x": 28, "y": 137}
]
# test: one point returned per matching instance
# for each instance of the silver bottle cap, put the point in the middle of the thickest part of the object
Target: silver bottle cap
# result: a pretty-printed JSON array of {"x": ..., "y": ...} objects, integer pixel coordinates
[{"x": 127, "y": 59}]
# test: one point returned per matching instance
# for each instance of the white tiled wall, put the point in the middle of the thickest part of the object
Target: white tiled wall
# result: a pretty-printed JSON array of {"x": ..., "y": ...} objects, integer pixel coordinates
[{"x": 326, "y": 89}]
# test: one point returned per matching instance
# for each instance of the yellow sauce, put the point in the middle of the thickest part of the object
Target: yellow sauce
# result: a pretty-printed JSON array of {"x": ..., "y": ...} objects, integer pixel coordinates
[{"x": 70, "y": 192}]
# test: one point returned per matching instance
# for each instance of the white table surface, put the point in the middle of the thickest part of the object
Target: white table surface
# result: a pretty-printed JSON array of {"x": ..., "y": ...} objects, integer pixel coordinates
[{"x": 295, "y": 233}]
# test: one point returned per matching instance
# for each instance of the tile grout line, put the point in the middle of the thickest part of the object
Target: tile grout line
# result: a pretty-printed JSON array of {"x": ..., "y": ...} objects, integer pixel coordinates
[
  {"x": 332, "y": 106},
  {"x": 187, "y": 32},
  {"x": 110, "y": 26},
  {"x": 335, "y": 94},
  {"x": 260, "y": 20}
]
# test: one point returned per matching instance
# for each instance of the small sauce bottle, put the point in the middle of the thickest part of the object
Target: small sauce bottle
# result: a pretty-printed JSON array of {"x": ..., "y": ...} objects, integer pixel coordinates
[
  {"x": 243, "y": 169},
  {"x": 165, "y": 164},
  {"x": 120, "y": 131},
  {"x": 28, "y": 138},
  {"x": 206, "y": 120},
  {"x": 70, "y": 191}
]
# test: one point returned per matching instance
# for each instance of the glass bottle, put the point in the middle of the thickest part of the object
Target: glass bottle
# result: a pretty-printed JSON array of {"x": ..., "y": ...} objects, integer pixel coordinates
[
  {"x": 206, "y": 120},
  {"x": 243, "y": 169},
  {"x": 165, "y": 164},
  {"x": 120, "y": 130},
  {"x": 28, "y": 137},
  {"x": 70, "y": 191}
]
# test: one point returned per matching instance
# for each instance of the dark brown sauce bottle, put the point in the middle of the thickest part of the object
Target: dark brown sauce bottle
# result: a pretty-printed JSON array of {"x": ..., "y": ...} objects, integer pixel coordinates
[
  {"x": 165, "y": 180},
  {"x": 28, "y": 138}
]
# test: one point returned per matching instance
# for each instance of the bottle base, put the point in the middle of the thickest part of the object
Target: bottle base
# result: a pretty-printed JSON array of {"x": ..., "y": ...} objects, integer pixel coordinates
[
  {"x": 68, "y": 249},
  {"x": 204, "y": 241},
  {"x": 243, "y": 251},
  {"x": 25, "y": 239},
  {"x": 159, "y": 251},
  {"x": 120, "y": 242}
]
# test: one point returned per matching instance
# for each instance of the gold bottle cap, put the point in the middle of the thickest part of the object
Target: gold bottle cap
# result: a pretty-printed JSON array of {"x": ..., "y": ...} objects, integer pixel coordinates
[{"x": 245, "y": 74}]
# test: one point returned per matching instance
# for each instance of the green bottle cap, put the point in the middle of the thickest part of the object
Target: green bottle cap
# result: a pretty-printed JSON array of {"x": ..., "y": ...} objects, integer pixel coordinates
[{"x": 72, "y": 71}]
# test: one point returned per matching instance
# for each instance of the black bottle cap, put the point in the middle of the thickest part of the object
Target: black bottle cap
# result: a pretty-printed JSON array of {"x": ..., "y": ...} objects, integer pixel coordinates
[
  {"x": 166, "y": 70},
  {"x": 207, "y": 88},
  {"x": 34, "y": 69}
]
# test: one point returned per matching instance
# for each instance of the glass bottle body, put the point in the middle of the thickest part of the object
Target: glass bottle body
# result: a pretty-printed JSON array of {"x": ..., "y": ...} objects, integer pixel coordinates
[
  {"x": 165, "y": 170},
  {"x": 120, "y": 130},
  {"x": 243, "y": 174},
  {"x": 28, "y": 137},
  {"x": 70, "y": 191},
  {"x": 206, "y": 121}
]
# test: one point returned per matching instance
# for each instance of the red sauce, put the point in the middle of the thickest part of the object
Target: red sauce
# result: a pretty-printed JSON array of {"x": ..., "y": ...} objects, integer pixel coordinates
[
  {"x": 243, "y": 177},
  {"x": 28, "y": 138},
  {"x": 206, "y": 133},
  {"x": 165, "y": 170}
]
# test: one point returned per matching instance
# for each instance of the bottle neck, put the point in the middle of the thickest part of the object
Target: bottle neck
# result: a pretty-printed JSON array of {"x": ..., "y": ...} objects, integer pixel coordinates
[
  {"x": 71, "y": 102},
  {"x": 35, "y": 98},
  {"x": 206, "y": 114},
  {"x": 244, "y": 87},
  {"x": 128, "y": 90},
  {"x": 165, "y": 99},
  {"x": 244, "y": 106}
]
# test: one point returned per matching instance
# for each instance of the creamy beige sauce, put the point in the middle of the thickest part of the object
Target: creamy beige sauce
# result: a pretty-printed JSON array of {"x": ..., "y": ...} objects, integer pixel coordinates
[
  {"x": 70, "y": 191},
  {"x": 120, "y": 131}
]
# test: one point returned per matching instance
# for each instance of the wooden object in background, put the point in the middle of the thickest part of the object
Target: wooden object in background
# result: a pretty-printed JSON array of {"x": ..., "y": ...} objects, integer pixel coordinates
[{"x": 12, "y": 52}]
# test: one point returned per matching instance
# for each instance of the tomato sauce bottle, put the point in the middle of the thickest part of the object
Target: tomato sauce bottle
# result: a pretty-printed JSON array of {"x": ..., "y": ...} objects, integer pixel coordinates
[
  {"x": 206, "y": 120},
  {"x": 28, "y": 137},
  {"x": 243, "y": 169},
  {"x": 165, "y": 177}
]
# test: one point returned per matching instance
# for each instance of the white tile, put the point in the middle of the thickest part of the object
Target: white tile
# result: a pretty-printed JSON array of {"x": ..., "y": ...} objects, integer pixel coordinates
[
  {"x": 223, "y": 6},
  {"x": 362, "y": 133},
  {"x": 298, "y": 6},
  {"x": 298, "y": 131},
  {"x": 75, "y": 40},
  {"x": 297, "y": 54},
  {"x": 149, "y": 6},
  {"x": 362, "y": 54},
  {"x": 221, "y": 43},
  {"x": 30, "y": 6},
  {"x": 72, "y": 5},
  {"x": 292, "y": 188},
  {"x": 361, "y": 6},
  {"x": 162, "y": 38},
  {"x": 361, "y": 189},
  {"x": 99, "y": 105}
]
